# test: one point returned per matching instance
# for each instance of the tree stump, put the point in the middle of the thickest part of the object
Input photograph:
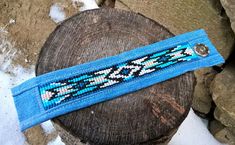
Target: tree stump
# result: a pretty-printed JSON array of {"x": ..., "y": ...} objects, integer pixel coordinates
[{"x": 147, "y": 116}]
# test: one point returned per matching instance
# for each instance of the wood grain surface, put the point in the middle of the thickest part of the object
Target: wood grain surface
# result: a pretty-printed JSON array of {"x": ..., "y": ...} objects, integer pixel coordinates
[{"x": 147, "y": 116}]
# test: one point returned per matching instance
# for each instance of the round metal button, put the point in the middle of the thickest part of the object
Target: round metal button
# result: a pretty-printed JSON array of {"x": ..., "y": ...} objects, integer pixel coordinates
[{"x": 201, "y": 49}]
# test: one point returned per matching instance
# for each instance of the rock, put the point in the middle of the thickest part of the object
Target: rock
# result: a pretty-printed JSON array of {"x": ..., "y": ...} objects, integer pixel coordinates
[
  {"x": 224, "y": 117},
  {"x": 202, "y": 99},
  {"x": 105, "y": 3},
  {"x": 215, "y": 126},
  {"x": 223, "y": 94},
  {"x": 121, "y": 5},
  {"x": 225, "y": 136},
  {"x": 229, "y": 6},
  {"x": 217, "y": 6},
  {"x": 180, "y": 16}
]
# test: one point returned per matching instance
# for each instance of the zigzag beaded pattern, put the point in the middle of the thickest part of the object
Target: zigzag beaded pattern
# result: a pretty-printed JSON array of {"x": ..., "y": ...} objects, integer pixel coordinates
[{"x": 58, "y": 92}]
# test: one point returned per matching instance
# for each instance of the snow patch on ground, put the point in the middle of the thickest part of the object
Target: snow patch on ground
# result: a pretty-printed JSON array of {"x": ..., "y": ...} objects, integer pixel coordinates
[
  {"x": 7, "y": 51},
  {"x": 87, "y": 4},
  {"x": 10, "y": 133},
  {"x": 3, "y": 29},
  {"x": 48, "y": 127},
  {"x": 193, "y": 131},
  {"x": 57, "y": 13},
  {"x": 11, "y": 76},
  {"x": 57, "y": 141}
]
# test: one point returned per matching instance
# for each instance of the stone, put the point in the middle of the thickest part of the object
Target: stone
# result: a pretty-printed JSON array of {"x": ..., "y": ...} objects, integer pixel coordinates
[
  {"x": 225, "y": 136},
  {"x": 202, "y": 99},
  {"x": 217, "y": 6},
  {"x": 224, "y": 117},
  {"x": 229, "y": 6},
  {"x": 215, "y": 126},
  {"x": 105, "y": 3},
  {"x": 223, "y": 94},
  {"x": 181, "y": 16}
]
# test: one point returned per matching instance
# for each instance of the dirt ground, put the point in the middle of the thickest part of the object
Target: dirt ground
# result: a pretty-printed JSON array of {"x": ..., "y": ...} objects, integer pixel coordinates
[{"x": 32, "y": 25}]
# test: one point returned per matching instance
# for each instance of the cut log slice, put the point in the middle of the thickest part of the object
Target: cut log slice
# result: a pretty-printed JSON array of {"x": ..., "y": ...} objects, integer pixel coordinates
[{"x": 143, "y": 117}]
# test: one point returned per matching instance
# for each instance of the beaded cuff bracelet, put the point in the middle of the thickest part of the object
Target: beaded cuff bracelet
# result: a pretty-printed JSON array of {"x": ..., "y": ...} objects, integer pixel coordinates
[{"x": 62, "y": 91}]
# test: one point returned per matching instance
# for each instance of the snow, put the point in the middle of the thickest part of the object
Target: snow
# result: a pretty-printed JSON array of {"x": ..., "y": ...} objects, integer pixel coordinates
[
  {"x": 9, "y": 127},
  {"x": 57, "y": 13},
  {"x": 12, "y": 21},
  {"x": 7, "y": 52},
  {"x": 87, "y": 4},
  {"x": 57, "y": 141},
  {"x": 3, "y": 29},
  {"x": 10, "y": 133},
  {"x": 11, "y": 76},
  {"x": 193, "y": 131},
  {"x": 48, "y": 127}
]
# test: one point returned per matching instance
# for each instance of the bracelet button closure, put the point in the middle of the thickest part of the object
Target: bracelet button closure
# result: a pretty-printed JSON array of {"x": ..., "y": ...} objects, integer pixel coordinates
[{"x": 201, "y": 49}]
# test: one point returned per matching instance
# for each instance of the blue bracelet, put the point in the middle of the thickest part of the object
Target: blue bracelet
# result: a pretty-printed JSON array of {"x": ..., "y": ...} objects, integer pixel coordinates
[{"x": 62, "y": 91}]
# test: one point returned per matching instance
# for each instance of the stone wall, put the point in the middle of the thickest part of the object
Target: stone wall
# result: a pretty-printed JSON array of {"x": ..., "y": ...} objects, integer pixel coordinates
[{"x": 229, "y": 6}]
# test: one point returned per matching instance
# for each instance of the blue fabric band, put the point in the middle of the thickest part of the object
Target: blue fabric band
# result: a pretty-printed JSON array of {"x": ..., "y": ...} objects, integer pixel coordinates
[{"x": 62, "y": 91}]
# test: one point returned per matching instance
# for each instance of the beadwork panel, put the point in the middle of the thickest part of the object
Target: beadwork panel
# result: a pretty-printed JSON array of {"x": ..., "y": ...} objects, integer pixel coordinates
[{"x": 55, "y": 93}]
